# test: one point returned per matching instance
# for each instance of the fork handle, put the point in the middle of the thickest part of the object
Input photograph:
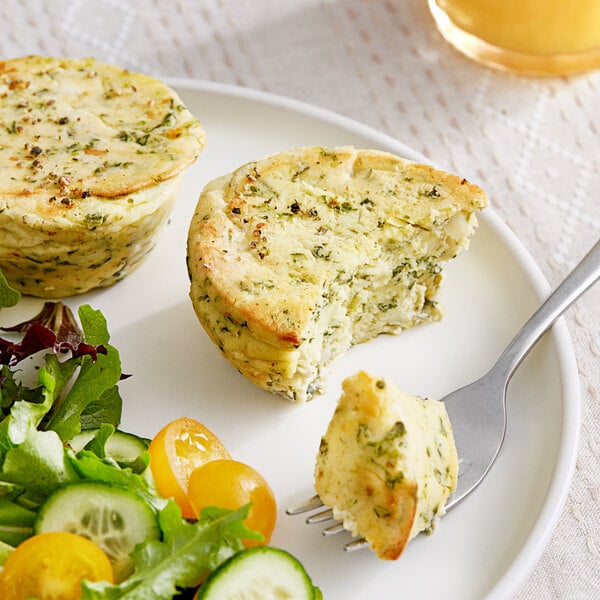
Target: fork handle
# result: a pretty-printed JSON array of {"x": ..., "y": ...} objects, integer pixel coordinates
[{"x": 583, "y": 276}]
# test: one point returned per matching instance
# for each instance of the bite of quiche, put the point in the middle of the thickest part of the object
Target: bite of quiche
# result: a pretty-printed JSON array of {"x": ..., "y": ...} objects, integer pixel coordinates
[{"x": 387, "y": 463}]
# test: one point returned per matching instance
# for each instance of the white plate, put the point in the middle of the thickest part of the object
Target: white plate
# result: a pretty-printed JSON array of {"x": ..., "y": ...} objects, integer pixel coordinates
[{"x": 487, "y": 545}]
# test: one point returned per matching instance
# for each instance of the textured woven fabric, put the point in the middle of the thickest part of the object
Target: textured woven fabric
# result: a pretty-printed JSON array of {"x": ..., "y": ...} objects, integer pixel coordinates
[{"x": 533, "y": 144}]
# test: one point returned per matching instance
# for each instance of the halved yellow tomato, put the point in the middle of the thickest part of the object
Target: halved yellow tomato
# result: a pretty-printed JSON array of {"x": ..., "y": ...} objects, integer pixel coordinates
[
  {"x": 232, "y": 484},
  {"x": 51, "y": 566},
  {"x": 176, "y": 451}
]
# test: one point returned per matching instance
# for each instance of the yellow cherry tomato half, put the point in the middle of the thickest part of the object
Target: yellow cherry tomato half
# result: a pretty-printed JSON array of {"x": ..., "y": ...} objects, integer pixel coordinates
[
  {"x": 232, "y": 484},
  {"x": 178, "y": 449},
  {"x": 51, "y": 566}
]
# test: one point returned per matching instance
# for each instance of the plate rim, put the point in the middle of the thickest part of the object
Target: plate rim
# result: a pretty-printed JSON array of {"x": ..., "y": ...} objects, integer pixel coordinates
[{"x": 523, "y": 562}]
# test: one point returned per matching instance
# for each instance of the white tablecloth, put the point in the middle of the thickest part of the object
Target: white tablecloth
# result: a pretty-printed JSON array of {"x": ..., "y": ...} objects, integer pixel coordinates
[{"x": 533, "y": 144}]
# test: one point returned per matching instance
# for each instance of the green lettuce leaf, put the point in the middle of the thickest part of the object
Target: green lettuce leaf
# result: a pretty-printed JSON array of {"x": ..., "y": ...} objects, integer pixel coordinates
[
  {"x": 33, "y": 459},
  {"x": 8, "y": 295},
  {"x": 25, "y": 416},
  {"x": 93, "y": 380},
  {"x": 94, "y": 325},
  {"x": 90, "y": 467},
  {"x": 16, "y": 522},
  {"x": 106, "y": 410}
]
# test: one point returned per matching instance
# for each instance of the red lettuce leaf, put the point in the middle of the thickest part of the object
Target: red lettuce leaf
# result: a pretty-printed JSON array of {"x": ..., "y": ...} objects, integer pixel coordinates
[{"x": 53, "y": 328}]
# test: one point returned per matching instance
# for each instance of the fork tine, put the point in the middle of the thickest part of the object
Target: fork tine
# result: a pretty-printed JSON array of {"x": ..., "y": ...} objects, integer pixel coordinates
[
  {"x": 324, "y": 515},
  {"x": 310, "y": 504},
  {"x": 354, "y": 545},
  {"x": 333, "y": 529}
]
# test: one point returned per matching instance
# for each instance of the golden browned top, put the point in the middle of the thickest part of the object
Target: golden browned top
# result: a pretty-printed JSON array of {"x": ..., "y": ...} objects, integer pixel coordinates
[{"x": 75, "y": 128}]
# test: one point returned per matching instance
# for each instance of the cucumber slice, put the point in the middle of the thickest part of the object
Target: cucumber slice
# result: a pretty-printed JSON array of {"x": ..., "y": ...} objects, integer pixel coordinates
[
  {"x": 259, "y": 573},
  {"x": 114, "y": 518},
  {"x": 121, "y": 446}
]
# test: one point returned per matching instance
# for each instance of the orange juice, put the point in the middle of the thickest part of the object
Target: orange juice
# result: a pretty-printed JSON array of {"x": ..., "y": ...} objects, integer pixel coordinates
[{"x": 532, "y": 36}]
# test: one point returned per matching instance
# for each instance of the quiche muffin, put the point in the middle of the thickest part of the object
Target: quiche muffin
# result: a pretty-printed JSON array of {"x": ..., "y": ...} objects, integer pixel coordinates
[
  {"x": 387, "y": 463},
  {"x": 92, "y": 157},
  {"x": 296, "y": 257}
]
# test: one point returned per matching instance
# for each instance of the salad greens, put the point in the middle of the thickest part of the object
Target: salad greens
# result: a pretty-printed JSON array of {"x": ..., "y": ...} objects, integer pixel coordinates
[
  {"x": 77, "y": 389},
  {"x": 183, "y": 559}
]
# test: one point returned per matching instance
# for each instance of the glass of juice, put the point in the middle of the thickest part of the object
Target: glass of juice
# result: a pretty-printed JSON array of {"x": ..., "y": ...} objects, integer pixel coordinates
[{"x": 532, "y": 37}]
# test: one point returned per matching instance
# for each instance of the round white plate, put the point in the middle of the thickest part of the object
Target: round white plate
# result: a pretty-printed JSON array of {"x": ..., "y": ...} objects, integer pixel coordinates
[{"x": 488, "y": 544}]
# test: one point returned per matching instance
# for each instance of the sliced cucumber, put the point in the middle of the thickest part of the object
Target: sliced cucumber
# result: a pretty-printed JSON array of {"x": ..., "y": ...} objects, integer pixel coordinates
[
  {"x": 121, "y": 446},
  {"x": 259, "y": 573},
  {"x": 114, "y": 518}
]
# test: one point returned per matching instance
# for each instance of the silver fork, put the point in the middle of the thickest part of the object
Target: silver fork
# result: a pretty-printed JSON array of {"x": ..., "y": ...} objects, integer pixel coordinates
[{"x": 478, "y": 411}]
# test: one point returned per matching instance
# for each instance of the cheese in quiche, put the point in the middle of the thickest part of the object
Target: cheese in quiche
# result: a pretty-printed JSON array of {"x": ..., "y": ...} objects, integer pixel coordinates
[
  {"x": 387, "y": 463},
  {"x": 296, "y": 257},
  {"x": 92, "y": 157}
]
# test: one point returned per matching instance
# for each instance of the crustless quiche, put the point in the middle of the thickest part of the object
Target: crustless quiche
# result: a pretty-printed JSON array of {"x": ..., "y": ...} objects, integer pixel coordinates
[
  {"x": 296, "y": 257},
  {"x": 92, "y": 157}
]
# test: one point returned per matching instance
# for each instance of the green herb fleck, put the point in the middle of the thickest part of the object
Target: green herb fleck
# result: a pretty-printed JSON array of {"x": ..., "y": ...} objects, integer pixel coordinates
[
  {"x": 323, "y": 447},
  {"x": 432, "y": 193},
  {"x": 392, "y": 480},
  {"x": 299, "y": 172},
  {"x": 94, "y": 220},
  {"x": 319, "y": 252},
  {"x": 385, "y": 306}
]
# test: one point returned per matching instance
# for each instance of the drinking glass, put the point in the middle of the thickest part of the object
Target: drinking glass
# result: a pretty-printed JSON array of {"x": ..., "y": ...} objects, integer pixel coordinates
[{"x": 533, "y": 37}]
